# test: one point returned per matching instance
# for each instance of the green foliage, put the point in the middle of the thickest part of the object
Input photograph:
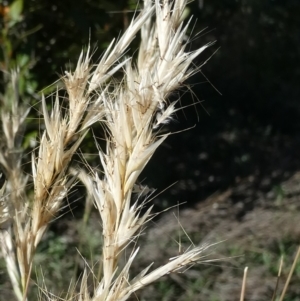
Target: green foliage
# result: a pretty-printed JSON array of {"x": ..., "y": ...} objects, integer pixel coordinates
[{"x": 15, "y": 11}]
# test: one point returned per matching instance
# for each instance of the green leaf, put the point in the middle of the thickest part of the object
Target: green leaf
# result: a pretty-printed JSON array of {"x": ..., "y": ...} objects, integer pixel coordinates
[
  {"x": 22, "y": 60},
  {"x": 15, "y": 10}
]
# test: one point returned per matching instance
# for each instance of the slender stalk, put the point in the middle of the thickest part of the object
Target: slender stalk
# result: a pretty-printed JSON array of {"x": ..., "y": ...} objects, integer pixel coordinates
[
  {"x": 290, "y": 275},
  {"x": 242, "y": 298}
]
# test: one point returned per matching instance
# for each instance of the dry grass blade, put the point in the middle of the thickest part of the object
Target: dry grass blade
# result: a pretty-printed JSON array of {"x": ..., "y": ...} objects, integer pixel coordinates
[
  {"x": 290, "y": 275},
  {"x": 278, "y": 278},
  {"x": 242, "y": 298}
]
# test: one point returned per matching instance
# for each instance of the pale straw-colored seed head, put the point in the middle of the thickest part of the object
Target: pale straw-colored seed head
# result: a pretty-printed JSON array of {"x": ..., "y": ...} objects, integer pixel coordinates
[{"x": 132, "y": 112}]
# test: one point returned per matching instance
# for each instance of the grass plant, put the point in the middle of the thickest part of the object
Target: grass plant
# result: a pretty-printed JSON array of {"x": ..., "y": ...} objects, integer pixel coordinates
[{"x": 133, "y": 111}]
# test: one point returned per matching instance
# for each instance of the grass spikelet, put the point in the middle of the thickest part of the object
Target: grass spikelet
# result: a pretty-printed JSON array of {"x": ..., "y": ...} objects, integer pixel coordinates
[{"x": 132, "y": 111}]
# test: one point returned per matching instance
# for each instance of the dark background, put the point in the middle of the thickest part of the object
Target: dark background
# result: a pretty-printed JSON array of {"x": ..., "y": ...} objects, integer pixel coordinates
[{"x": 245, "y": 132}]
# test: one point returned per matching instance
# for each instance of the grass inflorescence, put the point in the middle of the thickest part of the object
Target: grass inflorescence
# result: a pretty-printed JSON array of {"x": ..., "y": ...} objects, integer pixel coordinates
[{"x": 132, "y": 112}]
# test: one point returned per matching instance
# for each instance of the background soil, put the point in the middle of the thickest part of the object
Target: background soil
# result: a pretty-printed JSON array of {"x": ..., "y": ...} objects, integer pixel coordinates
[{"x": 254, "y": 236}]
